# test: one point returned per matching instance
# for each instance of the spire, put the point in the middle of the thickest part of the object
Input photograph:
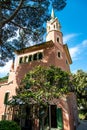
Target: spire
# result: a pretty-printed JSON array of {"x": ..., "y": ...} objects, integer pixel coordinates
[{"x": 52, "y": 14}]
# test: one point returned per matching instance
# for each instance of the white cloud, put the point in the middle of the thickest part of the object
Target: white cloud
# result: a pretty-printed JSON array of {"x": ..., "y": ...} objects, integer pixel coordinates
[
  {"x": 74, "y": 51},
  {"x": 84, "y": 43},
  {"x": 5, "y": 69},
  {"x": 66, "y": 38}
]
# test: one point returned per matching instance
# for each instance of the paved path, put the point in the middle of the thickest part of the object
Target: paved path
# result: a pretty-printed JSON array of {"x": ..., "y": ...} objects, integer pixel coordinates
[{"x": 83, "y": 125}]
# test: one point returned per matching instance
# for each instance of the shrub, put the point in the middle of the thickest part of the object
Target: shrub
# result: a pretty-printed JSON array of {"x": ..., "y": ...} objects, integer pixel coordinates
[
  {"x": 9, "y": 125},
  {"x": 4, "y": 79}
]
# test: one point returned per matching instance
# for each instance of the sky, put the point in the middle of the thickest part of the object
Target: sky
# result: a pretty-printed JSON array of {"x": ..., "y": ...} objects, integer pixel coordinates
[{"x": 73, "y": 20}]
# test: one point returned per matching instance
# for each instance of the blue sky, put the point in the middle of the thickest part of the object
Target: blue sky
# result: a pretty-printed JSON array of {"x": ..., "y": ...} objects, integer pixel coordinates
[{"x": 73, "y": 19}]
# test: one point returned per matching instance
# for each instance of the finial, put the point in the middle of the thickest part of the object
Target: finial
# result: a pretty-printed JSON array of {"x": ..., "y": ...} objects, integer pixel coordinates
[{"x": 52, "y": 14}]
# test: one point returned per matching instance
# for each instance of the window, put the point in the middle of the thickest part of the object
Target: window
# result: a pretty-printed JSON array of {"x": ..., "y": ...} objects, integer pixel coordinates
[
  {"x": 59, "y": 55},
  {"x": 25, "y": 59},
  {"x": 21, "y": 60},
  {"x": 30, "y": 58},
  {"x": 54, "y": 26},
  {"x": 40, "y": 55},
  {"x": 6, "y": 98},
  {"x": 35, "y": 57},
  {"x": 58, "y": 39}
]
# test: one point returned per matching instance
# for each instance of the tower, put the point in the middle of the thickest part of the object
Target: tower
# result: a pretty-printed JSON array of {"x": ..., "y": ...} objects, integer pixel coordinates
[{"x": 53, "y": 30}]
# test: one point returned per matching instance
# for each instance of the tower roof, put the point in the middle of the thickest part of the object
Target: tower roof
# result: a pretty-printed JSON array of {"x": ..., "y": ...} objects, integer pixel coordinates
[{"x": 52, "y": 14}]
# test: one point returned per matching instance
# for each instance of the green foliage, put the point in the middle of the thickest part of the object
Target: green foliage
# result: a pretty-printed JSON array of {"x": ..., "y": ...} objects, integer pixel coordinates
[
  {"x": 80, "y": 85},
  {"x": 42, "y": 84},
  {"x": 8, "y": 125},
  {"x": 83, "y": 114},
  {"x": 4, "y": 79}
]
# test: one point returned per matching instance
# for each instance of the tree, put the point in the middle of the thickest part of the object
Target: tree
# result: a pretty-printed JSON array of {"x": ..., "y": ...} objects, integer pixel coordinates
[
  {"x": 4, "y": 79},
  {"x": 26, "y": 16},
  {"x": 40, "y": 86},
  {"x": 43, "y": 84},
  {"x": 80, "y": 86},
  {"x": 8, "y": 125}
]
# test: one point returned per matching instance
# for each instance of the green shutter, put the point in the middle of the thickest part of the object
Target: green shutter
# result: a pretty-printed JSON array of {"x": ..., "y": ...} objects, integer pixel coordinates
[
  {"x": 59, "y": 119},
  {"x": 6, "y": 98}
]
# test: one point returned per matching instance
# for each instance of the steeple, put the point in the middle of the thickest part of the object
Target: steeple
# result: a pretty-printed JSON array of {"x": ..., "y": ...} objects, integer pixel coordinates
[
  {"x": 53, "y": 24},
  {"x": 53, "y": 29},
  {"x": 52, "y": 14}
]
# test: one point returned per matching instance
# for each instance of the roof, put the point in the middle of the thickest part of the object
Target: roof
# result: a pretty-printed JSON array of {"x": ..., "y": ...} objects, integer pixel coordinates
[
  {"x": 35, "y": 47},
  {"x": 67, "y": 53}
]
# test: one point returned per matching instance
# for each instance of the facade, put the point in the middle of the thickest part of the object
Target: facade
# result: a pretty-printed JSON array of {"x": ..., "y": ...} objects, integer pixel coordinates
[{"x": 51, "y": 52}]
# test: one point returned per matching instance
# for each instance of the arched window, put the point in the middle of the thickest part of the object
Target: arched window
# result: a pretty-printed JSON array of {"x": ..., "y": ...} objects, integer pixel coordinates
[
  {"x": 59, "y": 54},
  {"x": 30, "y": 58},
  {"x": 21, "y": 60},
  {"x": 25, "y": 59},
  {"x": 40, "y": 55},
  {"x": 58, "y": 39},
  {"x": 35, "y": 57}
]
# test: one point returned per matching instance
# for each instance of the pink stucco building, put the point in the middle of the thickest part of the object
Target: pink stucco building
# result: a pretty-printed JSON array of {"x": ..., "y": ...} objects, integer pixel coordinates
[{"x": 52, "y": 52}]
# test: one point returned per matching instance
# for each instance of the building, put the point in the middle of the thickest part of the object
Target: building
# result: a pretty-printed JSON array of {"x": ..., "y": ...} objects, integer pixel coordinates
[{"x": 51, "y": 52}]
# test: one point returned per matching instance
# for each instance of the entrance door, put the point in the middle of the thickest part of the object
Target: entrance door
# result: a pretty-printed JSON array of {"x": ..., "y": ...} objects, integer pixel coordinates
[
  {"x": 53, "y": 116},
  {"x": 56, "y": 117},
  {"x": 27, "y": 121}
]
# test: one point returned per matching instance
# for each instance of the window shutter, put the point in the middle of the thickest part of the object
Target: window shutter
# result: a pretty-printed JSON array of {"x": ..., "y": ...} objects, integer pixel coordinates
[{"x": 59, "y": 119}]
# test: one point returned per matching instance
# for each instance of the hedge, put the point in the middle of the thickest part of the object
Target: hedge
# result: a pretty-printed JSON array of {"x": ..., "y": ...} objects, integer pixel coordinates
[{"x": 9, "y": 125}]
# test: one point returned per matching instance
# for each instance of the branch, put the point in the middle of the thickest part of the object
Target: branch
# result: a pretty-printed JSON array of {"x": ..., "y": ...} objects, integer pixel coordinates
[
  {"x": 14, "y": 14},
  {"x": 15, "y": 24}
]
